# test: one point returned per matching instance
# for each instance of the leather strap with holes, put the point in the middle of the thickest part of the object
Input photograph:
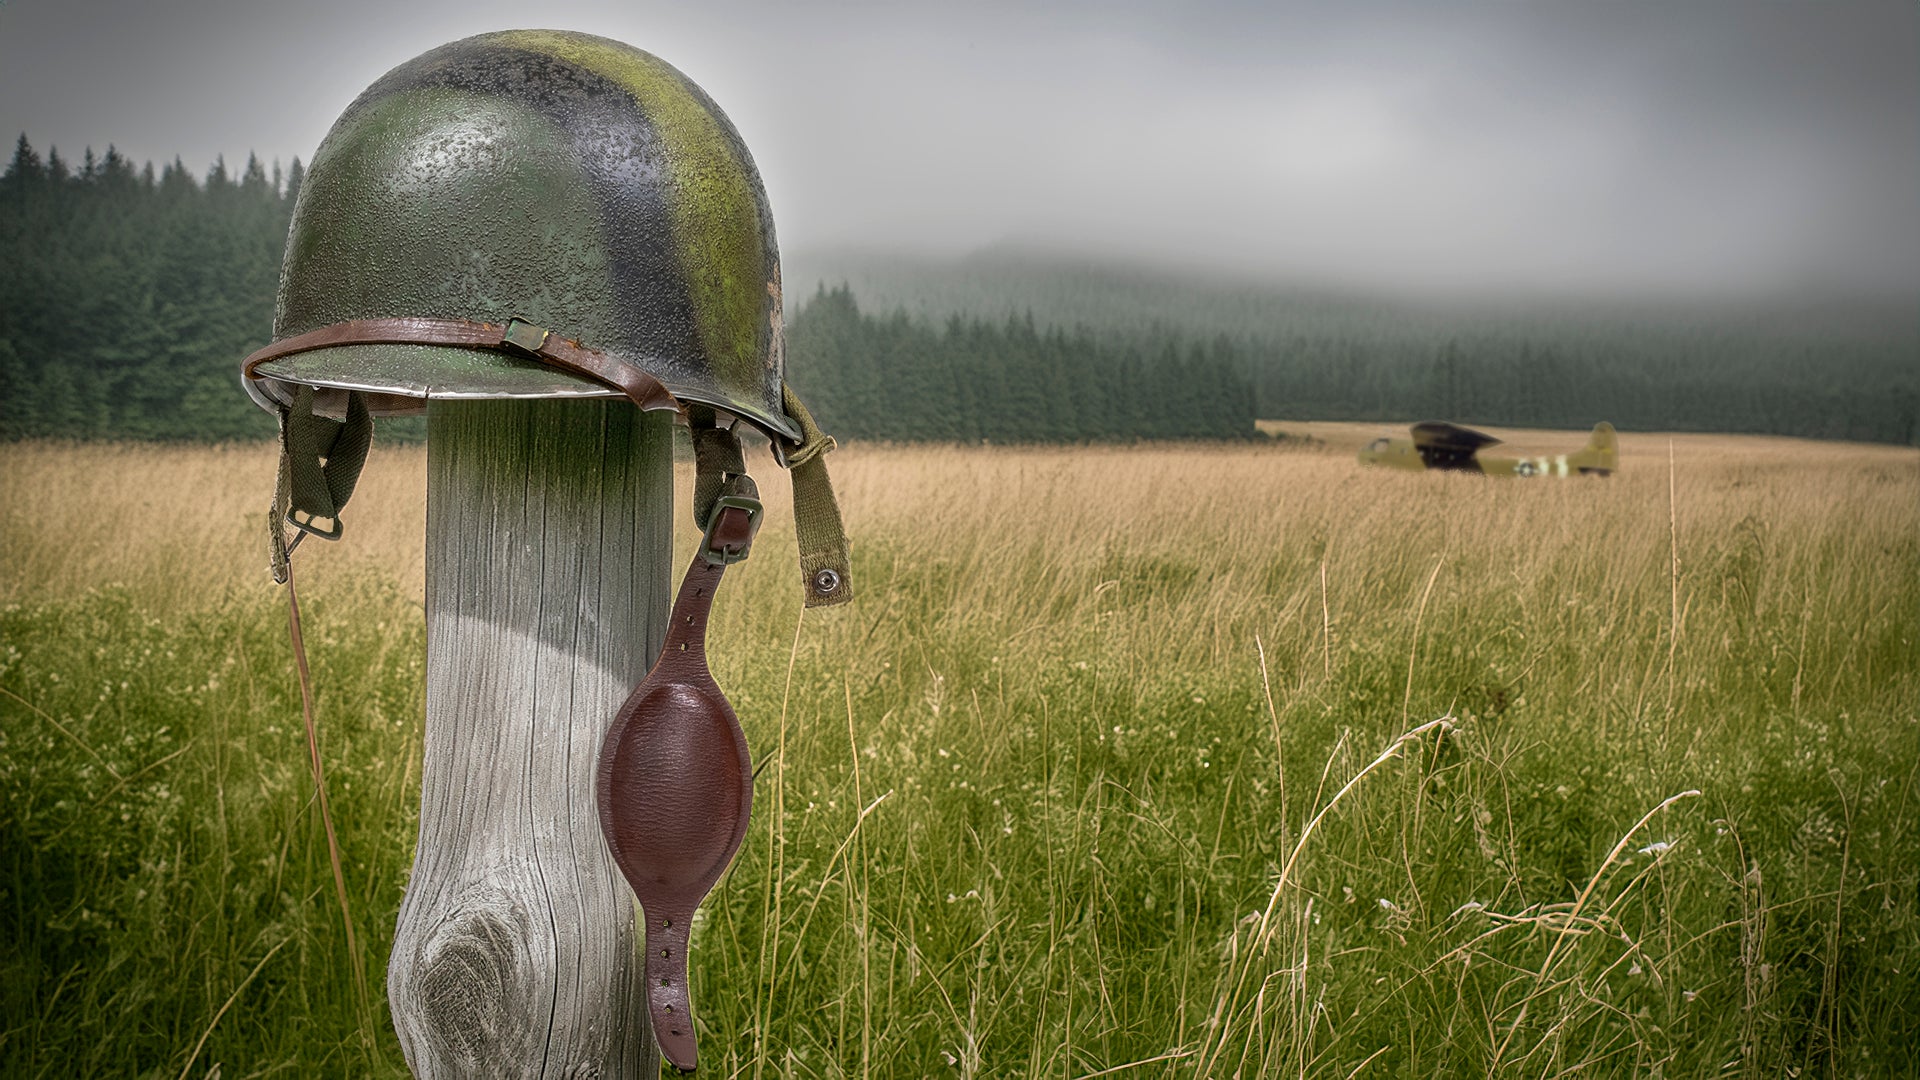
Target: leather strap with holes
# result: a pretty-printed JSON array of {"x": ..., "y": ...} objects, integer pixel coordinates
[
  {"x": 675, "y": 787},
  {"x": 513, "y": 336}
]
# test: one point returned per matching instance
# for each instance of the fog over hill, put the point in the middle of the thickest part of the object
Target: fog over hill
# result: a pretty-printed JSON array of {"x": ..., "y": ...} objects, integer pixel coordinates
[
  {"x": 1835, "y": 366},
  {"x": 1713, "y": 147},
  {"x": 1127, "y": 297}
]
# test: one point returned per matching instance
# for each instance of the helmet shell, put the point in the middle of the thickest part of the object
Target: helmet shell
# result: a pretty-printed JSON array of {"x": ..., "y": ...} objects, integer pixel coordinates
[{"x": 575, "y": 182}]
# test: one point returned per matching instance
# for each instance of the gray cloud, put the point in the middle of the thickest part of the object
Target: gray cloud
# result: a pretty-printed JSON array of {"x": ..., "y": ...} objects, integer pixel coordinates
[{"x": 1713, "y": 146}]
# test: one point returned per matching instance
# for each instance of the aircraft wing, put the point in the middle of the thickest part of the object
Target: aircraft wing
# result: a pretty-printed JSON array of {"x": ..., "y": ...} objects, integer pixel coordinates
[{"x": 1449, "y": 446}]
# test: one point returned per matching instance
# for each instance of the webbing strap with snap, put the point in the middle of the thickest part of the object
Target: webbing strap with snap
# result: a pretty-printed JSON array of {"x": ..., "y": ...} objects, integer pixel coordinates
[
  {"x": 326, "y": 457},
  {"x": 824, "y": 564}
]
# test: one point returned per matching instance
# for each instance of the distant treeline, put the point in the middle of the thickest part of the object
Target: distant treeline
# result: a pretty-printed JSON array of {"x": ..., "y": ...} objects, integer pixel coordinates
[
  {"x": 969, "y": 380},
  {"x": 128, "y": 297},
  {"x": 1835, "y": 390}
]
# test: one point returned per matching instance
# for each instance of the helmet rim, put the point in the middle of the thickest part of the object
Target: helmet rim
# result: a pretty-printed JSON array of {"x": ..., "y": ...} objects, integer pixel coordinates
[{"x": 402, "y": 379}]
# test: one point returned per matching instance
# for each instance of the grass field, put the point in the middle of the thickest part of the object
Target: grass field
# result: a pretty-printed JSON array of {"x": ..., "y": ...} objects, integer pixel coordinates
[{"x": 1155, "y": 761}]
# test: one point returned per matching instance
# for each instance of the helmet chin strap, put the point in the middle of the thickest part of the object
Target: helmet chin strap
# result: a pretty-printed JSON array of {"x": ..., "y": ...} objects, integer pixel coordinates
[
  {"x": 672, "y": 829},
  {"x": 826, "y": 573},
  {"x": 320, "y": 461}
]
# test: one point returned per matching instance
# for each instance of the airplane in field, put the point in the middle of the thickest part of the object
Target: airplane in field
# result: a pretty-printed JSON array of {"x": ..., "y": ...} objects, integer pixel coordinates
[{"x": 1437, "y": 444}]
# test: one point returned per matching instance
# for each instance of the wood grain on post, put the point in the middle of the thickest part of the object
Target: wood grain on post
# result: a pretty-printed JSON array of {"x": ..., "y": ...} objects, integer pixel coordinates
[{"x": 549, "y": 544}]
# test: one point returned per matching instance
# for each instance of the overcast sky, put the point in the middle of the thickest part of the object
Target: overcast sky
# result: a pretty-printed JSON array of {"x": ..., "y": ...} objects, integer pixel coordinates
[{"x": 1618, "y": 146}]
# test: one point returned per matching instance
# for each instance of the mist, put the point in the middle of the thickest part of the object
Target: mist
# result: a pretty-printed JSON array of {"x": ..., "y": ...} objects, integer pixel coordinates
[{"x": 1706, "y": 149}]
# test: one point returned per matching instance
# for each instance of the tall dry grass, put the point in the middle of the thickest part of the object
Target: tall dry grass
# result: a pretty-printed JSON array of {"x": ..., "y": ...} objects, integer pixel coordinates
[{"x": 1128, "y": 760}]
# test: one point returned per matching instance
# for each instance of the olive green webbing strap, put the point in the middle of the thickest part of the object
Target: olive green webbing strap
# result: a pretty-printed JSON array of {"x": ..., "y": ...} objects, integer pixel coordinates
[
  {"x": 279, "y": 550},
  {"x": 824, "y": 566},
  {"x": 326, "y": 456},
  {"x": 320, "y": 463}
]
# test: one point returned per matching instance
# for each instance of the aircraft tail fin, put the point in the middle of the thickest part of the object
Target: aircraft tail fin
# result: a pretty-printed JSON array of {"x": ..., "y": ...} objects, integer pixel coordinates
[{"x": 1601, "y": 456}]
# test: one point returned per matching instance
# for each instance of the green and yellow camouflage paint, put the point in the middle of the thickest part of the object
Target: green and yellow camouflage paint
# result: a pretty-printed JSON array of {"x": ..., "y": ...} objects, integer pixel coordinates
[
  {"x": 581, "y": 184},
  {"x": 1437, "y": 444}
]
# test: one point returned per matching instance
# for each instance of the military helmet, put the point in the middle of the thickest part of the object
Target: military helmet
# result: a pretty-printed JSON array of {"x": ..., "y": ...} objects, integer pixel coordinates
[{"x": 567, "y": 181}]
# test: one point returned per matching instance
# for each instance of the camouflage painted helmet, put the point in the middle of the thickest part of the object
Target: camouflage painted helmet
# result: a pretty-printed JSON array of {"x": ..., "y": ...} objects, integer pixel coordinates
[{"x": 566, "y": 180}]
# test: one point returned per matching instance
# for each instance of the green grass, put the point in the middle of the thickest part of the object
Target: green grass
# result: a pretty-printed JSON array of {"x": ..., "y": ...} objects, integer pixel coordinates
[
  {"x": 1028, "y": 803},
  {"x": 158, "y": 839}
]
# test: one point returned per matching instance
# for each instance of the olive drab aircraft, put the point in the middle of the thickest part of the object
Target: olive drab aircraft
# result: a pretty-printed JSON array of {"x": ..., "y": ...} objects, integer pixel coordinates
[{"x": 1437, "y": 444}]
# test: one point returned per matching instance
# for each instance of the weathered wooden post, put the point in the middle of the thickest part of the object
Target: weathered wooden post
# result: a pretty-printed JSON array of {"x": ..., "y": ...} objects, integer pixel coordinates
[
  {"x": 507, "y": 220},
  {"x": 548, "y": 567}
]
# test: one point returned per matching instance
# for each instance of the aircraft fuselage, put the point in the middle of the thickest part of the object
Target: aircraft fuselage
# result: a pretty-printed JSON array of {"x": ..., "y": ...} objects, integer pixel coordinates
[{"x": 1451, "y": 448}]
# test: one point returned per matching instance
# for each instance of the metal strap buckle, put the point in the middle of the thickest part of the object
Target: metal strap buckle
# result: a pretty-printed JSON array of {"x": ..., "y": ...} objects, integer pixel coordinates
[
  {"x": 728, "y": 539},
  {"x": 309, "y": 523},
  {"x": 523, "y": 337}
]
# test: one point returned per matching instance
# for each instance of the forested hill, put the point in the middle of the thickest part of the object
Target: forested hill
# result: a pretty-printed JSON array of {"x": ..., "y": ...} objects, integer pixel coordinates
[
  {"x": 1817, "y": 365},
  {"x": 128, "y": 297}
]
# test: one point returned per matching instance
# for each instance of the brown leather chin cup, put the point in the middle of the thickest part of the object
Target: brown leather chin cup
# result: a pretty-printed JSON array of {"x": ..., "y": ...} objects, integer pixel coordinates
[{"x": 675, "y": 787}]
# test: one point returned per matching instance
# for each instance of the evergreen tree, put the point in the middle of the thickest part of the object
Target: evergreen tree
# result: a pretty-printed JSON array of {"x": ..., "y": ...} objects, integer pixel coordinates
[{"x": 25, "y": 171}]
